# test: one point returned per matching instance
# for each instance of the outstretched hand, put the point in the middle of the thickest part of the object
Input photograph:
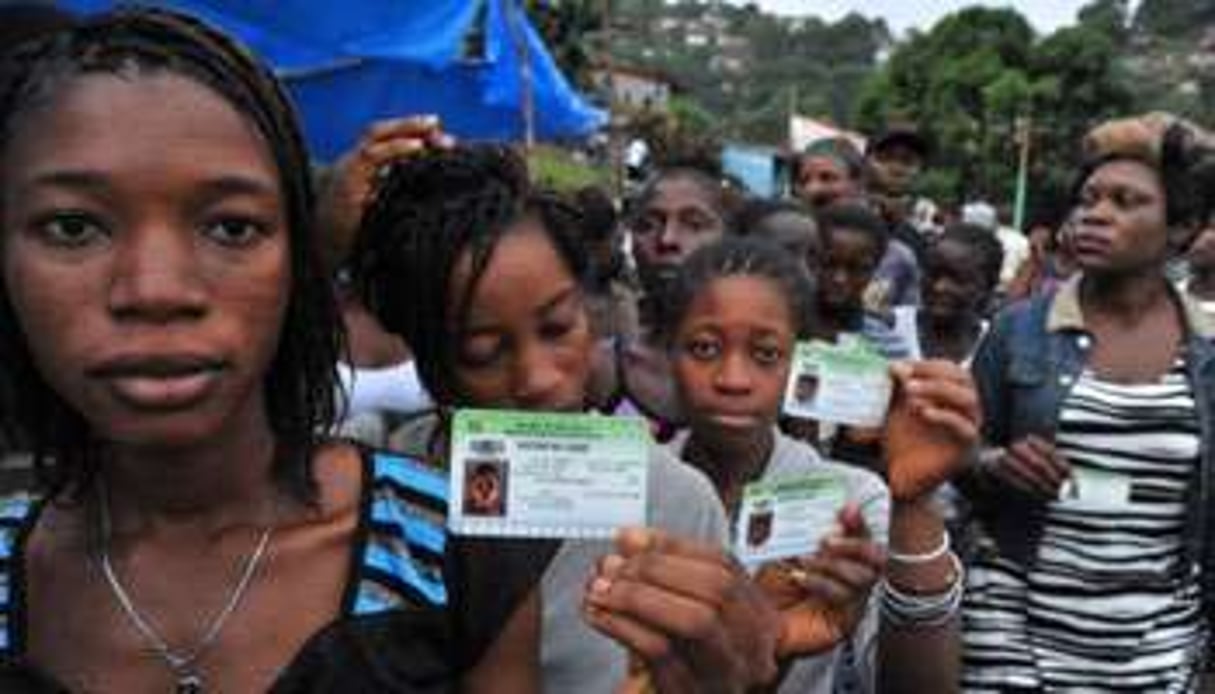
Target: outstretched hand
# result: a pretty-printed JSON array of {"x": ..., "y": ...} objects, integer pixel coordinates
[
  {"x": 821, "y": 598},
  {"x": 932, "y": 427}
]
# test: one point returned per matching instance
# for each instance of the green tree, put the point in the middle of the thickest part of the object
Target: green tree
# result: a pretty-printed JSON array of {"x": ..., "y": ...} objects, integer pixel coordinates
[
  {"x": 961, "y": 83},
  {"x": 1109, "y": 17},
  {"x": 976, "y": 74},
  {"x": 761, "y": 68},
  {"x": 1174, "y": 18},
  {"x": 1078, "y": 83}
]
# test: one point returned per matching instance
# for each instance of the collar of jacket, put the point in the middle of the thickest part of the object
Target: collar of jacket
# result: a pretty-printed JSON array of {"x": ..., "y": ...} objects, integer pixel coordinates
[{"x": 1065, "y": 313}]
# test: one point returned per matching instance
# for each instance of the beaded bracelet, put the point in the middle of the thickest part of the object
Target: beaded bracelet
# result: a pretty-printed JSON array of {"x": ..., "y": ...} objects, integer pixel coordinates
[
  {"x": 930, "y": 556},
  {"x": 905, "y": 609}
]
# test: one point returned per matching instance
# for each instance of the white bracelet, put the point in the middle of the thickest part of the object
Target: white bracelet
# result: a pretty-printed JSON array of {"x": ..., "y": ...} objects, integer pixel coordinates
[
  {"x": 930, "y": 556},
  {"x": 903, "y": 609}
]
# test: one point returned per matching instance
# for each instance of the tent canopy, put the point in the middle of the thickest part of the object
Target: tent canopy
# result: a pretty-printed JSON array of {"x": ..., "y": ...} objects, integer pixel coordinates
[{"x": 349, "y": 63}]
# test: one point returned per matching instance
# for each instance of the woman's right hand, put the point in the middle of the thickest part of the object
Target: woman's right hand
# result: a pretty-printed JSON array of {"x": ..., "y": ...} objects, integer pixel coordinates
[
  {"x": 932, "y": 427},
  {"x": 1030, "y": 465},
  {"x": 687, "y": 611}
]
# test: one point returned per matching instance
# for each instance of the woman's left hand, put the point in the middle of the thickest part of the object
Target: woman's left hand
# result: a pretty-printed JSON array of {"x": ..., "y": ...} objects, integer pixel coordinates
[
  {"x": 351, "y": 186},
  {"x": 932, "y": 427},
  {"x": 821, "y": 598}
]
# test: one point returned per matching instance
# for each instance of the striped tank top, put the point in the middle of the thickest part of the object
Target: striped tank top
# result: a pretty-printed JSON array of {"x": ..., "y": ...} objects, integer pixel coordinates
[
  {"x": 1112, "y": 601},
  {"x": 401, "y": 540}
]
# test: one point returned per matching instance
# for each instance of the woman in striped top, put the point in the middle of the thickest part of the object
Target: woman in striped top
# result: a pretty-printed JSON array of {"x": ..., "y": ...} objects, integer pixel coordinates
[{"x": 1093, "y": 569}]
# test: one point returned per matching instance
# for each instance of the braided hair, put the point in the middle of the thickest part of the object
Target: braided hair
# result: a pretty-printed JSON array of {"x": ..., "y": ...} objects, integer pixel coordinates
[
  {"x": 429, "y": 213},
  {"x": 26, "y": 21},
  {"x": 299, "y": 385},
  {"x": 744, "y": 256}
]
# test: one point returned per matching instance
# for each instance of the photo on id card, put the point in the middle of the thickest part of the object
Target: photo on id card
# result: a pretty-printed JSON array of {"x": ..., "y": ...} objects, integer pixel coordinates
[
  {"x": 788, "y": 516},
  {"x": 802, "y": 390},
  {"x": 486, "y": 482},
  {"x": 847, "y": 383}
]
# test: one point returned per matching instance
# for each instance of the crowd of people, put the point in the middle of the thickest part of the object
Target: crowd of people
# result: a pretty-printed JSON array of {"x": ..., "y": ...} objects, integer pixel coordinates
[{"x": 235, "y": 372}]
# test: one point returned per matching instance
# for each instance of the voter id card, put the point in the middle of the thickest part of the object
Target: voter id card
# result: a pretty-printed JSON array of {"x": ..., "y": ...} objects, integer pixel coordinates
[
  {"x": 546, "y": 475},
  {"x": 848, "y": 383},
  {"x": 787, "y": 517}
]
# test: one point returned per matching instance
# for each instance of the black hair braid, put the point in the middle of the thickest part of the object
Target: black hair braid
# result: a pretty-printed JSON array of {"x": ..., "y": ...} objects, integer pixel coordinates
[
  {"x": 427, "y": 210},
  {"x": 431, "y": 210},
  {"x": 299, "y": 385},
  {"x": 26, "y": 20},
  {"x": 744, "y": 256}
]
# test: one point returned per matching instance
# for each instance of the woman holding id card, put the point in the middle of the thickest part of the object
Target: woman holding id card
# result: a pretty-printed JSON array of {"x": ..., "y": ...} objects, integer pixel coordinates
[
  {"x": 1096, "y": 561},
  {"x": 814, "y": 529},
  {"x": 482, "y": 276}
]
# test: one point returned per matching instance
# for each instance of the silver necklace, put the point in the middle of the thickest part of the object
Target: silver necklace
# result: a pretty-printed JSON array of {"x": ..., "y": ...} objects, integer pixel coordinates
[{"x": 182, "y": 662}]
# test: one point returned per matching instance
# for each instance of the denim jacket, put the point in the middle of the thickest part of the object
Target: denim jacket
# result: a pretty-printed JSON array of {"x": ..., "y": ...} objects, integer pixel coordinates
[{"x": 1025, "y": 368}]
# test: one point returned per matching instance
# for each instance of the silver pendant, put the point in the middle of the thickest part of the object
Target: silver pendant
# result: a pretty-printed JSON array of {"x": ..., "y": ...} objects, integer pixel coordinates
[{"x": 188, "y": 683}]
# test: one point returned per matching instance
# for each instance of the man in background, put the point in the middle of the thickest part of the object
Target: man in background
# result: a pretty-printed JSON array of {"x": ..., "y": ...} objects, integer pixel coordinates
[{"x": 894, "y": 160}]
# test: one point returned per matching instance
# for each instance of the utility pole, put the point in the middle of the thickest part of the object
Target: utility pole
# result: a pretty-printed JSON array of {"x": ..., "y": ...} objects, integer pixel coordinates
[
  {"x": 517, "y": 18},
  {"x": 615, "y": 160},
  {"x": 1024, "y": 137}
]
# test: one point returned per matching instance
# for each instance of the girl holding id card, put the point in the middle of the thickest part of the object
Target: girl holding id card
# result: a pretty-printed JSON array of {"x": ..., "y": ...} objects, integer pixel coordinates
[{"x": 739, "y": 307}]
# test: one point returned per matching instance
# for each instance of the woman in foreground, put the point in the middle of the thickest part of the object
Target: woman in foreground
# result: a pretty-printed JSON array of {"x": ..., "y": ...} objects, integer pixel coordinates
[{"x": 170, "y": 339}]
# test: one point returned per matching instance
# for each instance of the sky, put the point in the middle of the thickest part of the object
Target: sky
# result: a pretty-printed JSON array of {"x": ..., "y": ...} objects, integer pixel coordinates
[{"x": 1045, "y": 15}]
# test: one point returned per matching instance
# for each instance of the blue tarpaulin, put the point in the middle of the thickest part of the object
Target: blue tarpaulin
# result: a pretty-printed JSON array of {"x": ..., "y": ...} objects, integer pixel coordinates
[
  {"x": 349, "y": 63},
  {"x": 755, "y": 167}
]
